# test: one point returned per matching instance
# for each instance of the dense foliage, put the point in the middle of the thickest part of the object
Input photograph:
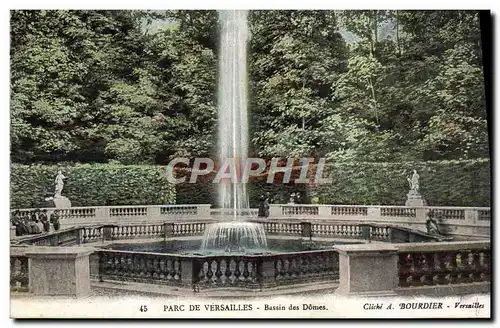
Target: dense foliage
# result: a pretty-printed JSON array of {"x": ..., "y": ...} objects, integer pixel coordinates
[
  {"x": 140, "y": 87},
  {"x": 91, "y": 185},
  {"x": 442, "y": 183}
]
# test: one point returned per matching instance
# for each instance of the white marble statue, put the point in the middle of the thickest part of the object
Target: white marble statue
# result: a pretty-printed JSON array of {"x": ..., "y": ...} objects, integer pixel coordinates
[
  {"x": 414, "y": 182},
  {"x": 59, "y": 182}
]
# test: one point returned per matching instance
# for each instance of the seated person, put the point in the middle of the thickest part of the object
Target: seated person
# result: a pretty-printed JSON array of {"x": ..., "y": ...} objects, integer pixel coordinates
[{"x": 34, "y": 227}]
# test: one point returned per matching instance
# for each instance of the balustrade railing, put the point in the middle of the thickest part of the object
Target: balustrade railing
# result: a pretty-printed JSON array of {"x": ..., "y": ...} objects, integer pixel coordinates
[
  {"x": 206, "y": 271},
  {"x": 380, "y": 233},
  {"x": 299, "y": 210},
  {"x": 303, "y": 267},
  {"x": 188, "y": 229},
  {"x": 282, "y": 228},
  {"x": 226, "y": 271},
  {"x": 179, "y": 210},
  {"x": 91, "y": 234},
  {"x": 66, "y": 237},
  {"x": 406, "y": 212},
  {"x": 447, "y": 213},
  {"x": 337, "y": 230},
  {"x": 484, "y": 215},
  {"x": 153, "y": 268},
  {"x": 349, "y": 210},
  {"x": 137, "y": 231},
  {"x": 444, "y": 265},
  {"x": 128, "y": 211},
  {"x": 117, "y": 212}
]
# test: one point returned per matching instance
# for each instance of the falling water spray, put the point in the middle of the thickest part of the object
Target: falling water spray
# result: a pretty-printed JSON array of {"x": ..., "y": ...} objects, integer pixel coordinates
[{"x": 232, "y": 105}]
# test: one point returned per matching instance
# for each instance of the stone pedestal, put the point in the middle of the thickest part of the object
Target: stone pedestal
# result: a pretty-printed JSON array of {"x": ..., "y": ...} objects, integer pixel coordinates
[
  {"x": 415, "y": 199},
  {"x": 203, "y": 210},
  {"x": 274, "y": 210},
  {"x": 59, "y": 271},
  {"x": 266, "y": 270},
  {"x": 61, "y": 202},
  {"x": 367, "y": 270}
]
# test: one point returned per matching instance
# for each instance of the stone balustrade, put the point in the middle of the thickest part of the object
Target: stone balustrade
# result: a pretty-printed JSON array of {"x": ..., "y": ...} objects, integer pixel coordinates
[
  {"x": 460, "y": 221},
  {"x": 373, "y": 211},
  {"x": 208, "y": 271},
  {"x": 415, "y": 268},
  {"x": 156, "y": 268},
  {"x": 114, "y": 213},
  {"x": 466, "y": 221},
  {"x": 400, "y": 267},
  {"x": 435, "y": 264}
]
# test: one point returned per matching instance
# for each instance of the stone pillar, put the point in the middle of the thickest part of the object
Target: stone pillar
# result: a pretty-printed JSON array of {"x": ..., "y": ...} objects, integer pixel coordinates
[
  {"x": 324, "y": 211},
  {"x": 168, "y": 230},
  {"x": 365, "y": 232},
  {"x": 421, "y": 214},
  {"x": 266, "y": 270},
  {"x": 12, "y": 232},
  {"x": 203, "y": 210},
  {"x": 471, "y": 216},
  {"x": 107, "y": 232},
  {"x": 102, "y": 213},
  {"x": 306, "y": 229},
  {"x": 373, "y": 212},
  {"x": 274, "y": 210},
  {"x": 153, "y": 212},
  {"x": 187, "y": 271},
  {"x": 367, "y": 270},
  {"x": 59, "y": 271}
]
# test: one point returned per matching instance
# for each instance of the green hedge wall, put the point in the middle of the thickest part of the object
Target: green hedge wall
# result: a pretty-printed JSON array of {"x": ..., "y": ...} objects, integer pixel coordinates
[
  {"x": 452, "y": 183},
  {"x": 442, "y": 183},
  {"x": 91, "y": 185}
]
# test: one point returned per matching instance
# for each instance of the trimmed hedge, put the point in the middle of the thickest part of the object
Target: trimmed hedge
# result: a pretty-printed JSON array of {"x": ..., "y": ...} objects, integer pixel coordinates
[
  {"x": 442, "y": 183},
  {"x": 445, "y": 183},
  {"x": 91, "y": 185}
]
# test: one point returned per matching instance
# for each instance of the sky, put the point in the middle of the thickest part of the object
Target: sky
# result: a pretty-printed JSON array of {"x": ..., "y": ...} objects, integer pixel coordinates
[{"x": 385, "y": 29}]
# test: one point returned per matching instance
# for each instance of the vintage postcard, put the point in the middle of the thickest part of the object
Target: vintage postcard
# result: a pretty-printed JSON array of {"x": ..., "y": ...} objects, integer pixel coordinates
[{"x": 250, "y": 164}]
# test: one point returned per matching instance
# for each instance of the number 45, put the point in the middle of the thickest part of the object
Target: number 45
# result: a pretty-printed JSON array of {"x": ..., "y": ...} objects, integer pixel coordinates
[{"x": 144, "y": 308}]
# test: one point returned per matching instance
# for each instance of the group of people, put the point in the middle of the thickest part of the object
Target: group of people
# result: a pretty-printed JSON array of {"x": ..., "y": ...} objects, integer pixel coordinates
[{"x": 34, "y": 222}]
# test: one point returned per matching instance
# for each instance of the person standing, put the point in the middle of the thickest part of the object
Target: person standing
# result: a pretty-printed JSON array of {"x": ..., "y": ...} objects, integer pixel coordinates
[
  {"x": 54, "y": 219},
  {"x": 262, "y": 207},
  {"x": 45, "y": 220}
]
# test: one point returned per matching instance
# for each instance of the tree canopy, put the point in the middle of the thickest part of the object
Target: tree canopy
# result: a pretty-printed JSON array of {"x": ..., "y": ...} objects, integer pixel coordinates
[{"x": 373, "y": 86}]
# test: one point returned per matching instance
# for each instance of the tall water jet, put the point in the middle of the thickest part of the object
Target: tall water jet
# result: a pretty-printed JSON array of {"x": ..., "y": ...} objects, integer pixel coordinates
[
  {"x": 232, "y": 106},
  {"x": 237, "y": 235}
]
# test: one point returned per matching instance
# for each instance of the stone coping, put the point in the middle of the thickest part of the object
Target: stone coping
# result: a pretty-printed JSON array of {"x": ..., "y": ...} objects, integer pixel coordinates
[
  {"x": 219, "y": 292},
  {"x": 59, "y": 252},
  {"x": 366, "y": 249},
  {"x": 443, "y": 246}
]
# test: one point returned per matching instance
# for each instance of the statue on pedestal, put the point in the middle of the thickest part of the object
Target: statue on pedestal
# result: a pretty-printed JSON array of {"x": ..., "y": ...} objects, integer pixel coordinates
[
  {"x": 414, "y": 182},
  {"x": 414, "y": 198},
  {"x": 59, "y": 200},
  {"x": 59, "y": 182}
]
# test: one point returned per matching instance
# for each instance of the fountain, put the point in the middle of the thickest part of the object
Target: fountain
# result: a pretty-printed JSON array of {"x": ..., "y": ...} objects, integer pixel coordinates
[{"x": 236, "y": 235}]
